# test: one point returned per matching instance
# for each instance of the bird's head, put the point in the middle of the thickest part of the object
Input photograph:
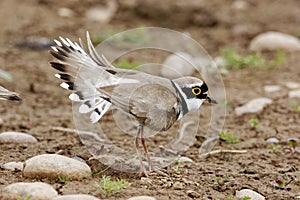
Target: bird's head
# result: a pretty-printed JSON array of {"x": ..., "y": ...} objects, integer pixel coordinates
[{"x": 193, "y": 93}]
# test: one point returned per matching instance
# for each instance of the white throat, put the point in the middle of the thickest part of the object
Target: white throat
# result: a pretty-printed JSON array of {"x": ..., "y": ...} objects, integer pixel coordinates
[{"x": 194, "y": 104}]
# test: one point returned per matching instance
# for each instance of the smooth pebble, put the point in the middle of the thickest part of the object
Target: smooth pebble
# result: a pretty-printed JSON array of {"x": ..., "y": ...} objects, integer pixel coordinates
[
  {"x": 272, "y": 88},
  {"x": 273, "y": 41},
  {"x": 75, "y": 197},
  {"x": 294, "y": 94},
  {"x": 253, "y": 106},
  {"x": 13, "y": 166},
  {"x": 53, "y": 165},
  {"x": 65, "y": 12},
  {"x": 16, "y": 137},
  {"x": 249, "y": 193},
  {"x": 103, "y": 14},
  {"x": 272, "y": 140},
  {"x": 36, "y": 191},
  {"x": 292, "y": 85},
  {"x": 177, "y": 65}
]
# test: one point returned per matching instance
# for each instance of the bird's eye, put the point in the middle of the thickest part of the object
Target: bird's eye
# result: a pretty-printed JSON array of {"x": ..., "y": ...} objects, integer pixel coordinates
[{"x": 196, "y": 91}]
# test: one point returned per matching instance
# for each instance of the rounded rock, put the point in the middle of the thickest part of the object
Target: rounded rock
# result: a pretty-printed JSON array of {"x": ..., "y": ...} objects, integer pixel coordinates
[
  {"x": 272, "y": 140},
  {"x": 292, "y": 85},
  {"x": 75, "y": 197},
  {"x": 294, "y": 94},
  {"x": 36, "y": 191},
  {"x": 274, "y": 40},
  {"x": 53, "y": 165},
  {"x": 253, "y": 106},
  {"x": 16, "y": 137},
  {"x": 13, "y": 166},
  {"x": 272, "y": 88},
  {"x": 177, "y": 65},
  {"x": 249, "y": 193}
]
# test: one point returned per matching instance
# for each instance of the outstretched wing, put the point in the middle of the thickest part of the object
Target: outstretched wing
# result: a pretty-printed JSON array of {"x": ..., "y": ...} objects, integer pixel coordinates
[{"x": 84, "y": 72}]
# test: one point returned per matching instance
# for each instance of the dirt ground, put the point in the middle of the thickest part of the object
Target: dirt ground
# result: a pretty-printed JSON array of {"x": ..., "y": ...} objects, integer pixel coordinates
[{"x": 215, "y": 24}]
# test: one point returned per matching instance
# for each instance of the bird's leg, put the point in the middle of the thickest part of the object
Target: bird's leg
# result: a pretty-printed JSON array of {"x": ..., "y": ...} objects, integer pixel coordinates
[
  {"x": 145, "y": 149},
  {"x": 136, "y": 141}
]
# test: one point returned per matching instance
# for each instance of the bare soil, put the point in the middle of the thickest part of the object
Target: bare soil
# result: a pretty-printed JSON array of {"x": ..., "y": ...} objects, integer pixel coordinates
[{"x": 214, "y": 24}]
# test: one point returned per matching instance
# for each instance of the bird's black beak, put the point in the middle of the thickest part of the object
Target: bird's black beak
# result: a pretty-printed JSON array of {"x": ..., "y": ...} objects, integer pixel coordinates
[
  {"x": 211, "y": 100},
  {"x": 15, "y": 98}
]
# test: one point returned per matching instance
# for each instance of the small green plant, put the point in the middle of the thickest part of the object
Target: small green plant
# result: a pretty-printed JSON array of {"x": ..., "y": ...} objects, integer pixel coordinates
[
  {"x": 282, "y": 185},
  {"x": 254, "y": 122},
  {"x": 217, "y": 179},
  {"x": 229, "y": 137},
  {"x": 108, "y": 187},
  {"x": 246, "y": 198},
  {"x": 293, "y": 142},
  {"x": 238, "y": 61},
  {"x": 63, "y": 179},
  {"x": 101, "y": 37},
  {"x": 274, "y": 147},
  {"x": 124, "y": 64},
  {"x": 296, "y": 106},
  {"x": 28, "y": 197},
  {"x": 230, "y": 198}
]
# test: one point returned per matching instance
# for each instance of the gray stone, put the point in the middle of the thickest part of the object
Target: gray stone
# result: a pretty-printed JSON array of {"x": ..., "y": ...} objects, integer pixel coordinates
[
  {"x": 53, "y": 165},
  {"x": 272, "y": 140},
  {"x": 75, "y": 197},
  {"x": 294, "y": 94},
  {"x": 177, "y": 65},
  {"x": 103, "y": 14},
  {"x": 272, "y": 88},
  {"x": 274, "y": 40},
  {"x": 253, "y": 106},
  {"x": 16, "y": 137},
  {"x": 292, "y": 85},
  {"x": 13, "y": 166},
  {"x": 65, "y": 12},
  {"x": 249, "y": 193},
  {"x": 36, "y": 191}
]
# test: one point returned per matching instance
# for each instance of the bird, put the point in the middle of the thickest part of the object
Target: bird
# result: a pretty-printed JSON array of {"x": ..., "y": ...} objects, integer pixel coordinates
[
  {"x": 5, "y": 94},
  {"x": 155, "y": 102}
]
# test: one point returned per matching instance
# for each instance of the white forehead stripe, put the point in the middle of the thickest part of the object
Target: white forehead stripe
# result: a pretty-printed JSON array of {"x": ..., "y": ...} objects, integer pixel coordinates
[{"x": 194, "y": 84}]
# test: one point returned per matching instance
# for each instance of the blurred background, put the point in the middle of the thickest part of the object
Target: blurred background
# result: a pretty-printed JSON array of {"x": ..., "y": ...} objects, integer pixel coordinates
[{"x": 254, "y": 42}]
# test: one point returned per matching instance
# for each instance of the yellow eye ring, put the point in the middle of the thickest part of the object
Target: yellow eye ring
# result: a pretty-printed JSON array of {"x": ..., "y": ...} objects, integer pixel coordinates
[{"x": 196, "y": 91}]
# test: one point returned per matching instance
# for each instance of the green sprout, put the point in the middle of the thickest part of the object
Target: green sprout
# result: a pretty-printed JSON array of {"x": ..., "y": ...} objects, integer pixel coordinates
[
  {"x": 274, "y": 147},
  {"x": 63, "y": 179},
  {"x": 246, "y": 198},
  {"x": 28, "y": 197},
  {"x": 282, "y": 185},
  {"x": 108, "y": 187},
  {"x": 293, "y": 142},
  {"x": 102, "y": 37},
  {"x": 229, "y": 137},
  {"x": 124, "y": 64},
  {"x": 256, "y": 61},
  {"x": 296, "y": 106},
  {"x": 254, "y": 122}
]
